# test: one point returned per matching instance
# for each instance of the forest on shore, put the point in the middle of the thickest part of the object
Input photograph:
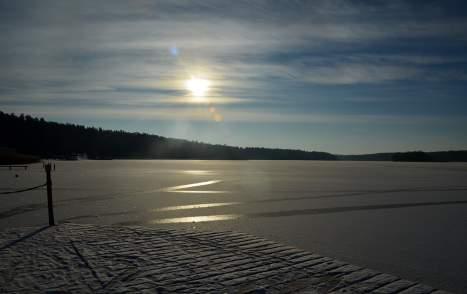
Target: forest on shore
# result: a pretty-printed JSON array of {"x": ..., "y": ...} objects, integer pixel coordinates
[
  {"x": 27, "y": 139},
  {"x": 35, "y": 136},
  {"x": 412, "y": 156}
]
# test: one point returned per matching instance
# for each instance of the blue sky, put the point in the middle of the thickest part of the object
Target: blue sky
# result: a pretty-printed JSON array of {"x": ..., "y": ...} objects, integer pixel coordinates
[{"x": 339, "y": 76}]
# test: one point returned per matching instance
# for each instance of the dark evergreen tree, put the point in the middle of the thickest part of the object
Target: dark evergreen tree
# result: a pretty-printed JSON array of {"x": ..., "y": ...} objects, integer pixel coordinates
[{"x": 56, "y": 140}]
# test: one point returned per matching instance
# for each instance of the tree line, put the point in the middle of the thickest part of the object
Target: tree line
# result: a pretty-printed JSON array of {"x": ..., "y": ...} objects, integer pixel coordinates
[
  {"x": 412, "y": 156},
  {"x": 36, "y": 136}
]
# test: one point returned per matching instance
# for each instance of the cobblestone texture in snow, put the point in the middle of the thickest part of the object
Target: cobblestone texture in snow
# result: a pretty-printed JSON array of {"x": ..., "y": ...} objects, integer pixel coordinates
[{"x": 101, "y": 259}]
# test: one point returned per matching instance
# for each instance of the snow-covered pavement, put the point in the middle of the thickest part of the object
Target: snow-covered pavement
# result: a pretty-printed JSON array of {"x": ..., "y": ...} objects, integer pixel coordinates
[{"x": 112, "y": 259}]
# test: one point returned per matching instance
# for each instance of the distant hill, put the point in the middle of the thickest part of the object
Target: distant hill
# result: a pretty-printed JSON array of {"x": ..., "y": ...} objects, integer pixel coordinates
[
  {"x": 45, "y": 139},
  {"x": 367, "y": 157},
  {"x": 413, "y": 156},
  {"x": 25, "y": 139}
]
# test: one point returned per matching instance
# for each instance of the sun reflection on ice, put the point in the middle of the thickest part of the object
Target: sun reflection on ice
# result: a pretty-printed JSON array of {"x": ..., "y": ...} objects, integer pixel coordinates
[
  {"x": 198, "y": 172},
  {"x": 196, "y": 219},
  {"x": 195, "y": 206}
]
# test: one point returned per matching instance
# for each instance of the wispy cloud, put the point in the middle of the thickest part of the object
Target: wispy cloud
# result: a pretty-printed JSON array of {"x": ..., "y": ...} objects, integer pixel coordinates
[
  {"x": 268, "y": 61},
  {"x": 201, "y": 114}
]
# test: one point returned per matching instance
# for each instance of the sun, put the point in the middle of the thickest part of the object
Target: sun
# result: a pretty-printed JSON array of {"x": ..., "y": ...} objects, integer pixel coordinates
[{"x": 198, "y": 87}]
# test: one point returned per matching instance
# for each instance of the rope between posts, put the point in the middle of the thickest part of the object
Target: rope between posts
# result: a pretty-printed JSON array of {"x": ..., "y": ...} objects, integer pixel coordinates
[{"x": 23, "y": 190}]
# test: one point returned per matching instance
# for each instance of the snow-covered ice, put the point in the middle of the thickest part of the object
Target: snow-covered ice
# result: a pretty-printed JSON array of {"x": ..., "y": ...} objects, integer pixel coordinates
[{"x": 111, "y": 259}]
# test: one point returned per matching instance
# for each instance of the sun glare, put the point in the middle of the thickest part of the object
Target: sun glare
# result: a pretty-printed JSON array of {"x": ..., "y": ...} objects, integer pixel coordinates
[{"x": 197, "y": 87}]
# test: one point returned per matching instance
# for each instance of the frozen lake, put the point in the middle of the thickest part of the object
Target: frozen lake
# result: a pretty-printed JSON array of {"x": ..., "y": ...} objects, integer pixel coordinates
[{"x": 409, "y": 219}]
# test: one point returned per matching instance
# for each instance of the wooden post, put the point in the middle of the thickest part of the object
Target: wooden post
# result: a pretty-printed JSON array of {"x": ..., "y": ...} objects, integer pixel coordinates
[{"x": 50, "y": 204}]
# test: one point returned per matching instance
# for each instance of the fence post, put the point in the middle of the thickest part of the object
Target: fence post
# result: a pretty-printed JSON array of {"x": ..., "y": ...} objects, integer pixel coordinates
[{"x": 50, "y": 204}]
